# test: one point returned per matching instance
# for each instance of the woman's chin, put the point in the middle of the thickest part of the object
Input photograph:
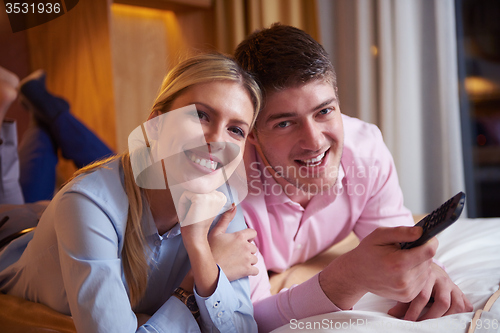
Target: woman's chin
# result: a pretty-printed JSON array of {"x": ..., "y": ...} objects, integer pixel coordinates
[{"x": 202, "y": 186}]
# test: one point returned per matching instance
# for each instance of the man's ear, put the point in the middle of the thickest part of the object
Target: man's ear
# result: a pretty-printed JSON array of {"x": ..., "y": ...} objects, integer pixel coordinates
[{"x": 252, "y": 137}]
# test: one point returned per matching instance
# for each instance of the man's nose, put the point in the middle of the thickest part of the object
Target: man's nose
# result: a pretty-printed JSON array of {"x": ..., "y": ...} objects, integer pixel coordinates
[{"x": 312, "y": 136}]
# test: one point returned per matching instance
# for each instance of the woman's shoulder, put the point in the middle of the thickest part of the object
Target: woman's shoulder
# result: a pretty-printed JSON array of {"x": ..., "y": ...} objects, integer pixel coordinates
[{"x": 104, "y": 186}]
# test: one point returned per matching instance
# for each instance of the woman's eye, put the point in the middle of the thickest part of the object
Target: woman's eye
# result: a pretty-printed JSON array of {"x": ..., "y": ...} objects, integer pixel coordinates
[
  {"x": 202, "y": 115},
  {"x": 238, "y": 131},
  {"x": 198, "y": 114}
]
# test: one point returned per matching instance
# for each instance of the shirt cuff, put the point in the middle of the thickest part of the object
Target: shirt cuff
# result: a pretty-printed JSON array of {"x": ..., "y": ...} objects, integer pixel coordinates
[
  {"x": 173, "y": 316},
  {"x": 308, "y": 299},
  {"x": 217, "y": 309}
]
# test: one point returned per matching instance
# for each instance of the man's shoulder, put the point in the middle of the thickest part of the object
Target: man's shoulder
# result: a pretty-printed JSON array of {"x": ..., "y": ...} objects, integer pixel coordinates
[
  {"x": 363, "y": 140},
  {"x": 360, "y": 133}
]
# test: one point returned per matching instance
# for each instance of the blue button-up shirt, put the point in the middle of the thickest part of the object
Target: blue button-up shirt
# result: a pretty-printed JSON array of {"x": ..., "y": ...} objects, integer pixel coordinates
[{"x": 72, "y": 263}]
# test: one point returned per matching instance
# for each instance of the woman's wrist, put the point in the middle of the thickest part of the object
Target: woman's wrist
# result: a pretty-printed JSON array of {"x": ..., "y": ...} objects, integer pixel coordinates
[
  {"x": 196, "y": 233},
  {"x": 188, "y": 282},
  {"x": 203, "y": 265},
  {"x": 205, "y": 271},
  {"x": 198, "y": 246}
]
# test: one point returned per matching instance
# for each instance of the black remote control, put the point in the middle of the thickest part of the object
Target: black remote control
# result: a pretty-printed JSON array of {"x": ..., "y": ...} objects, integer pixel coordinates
[{"x": 438, "y": 220}]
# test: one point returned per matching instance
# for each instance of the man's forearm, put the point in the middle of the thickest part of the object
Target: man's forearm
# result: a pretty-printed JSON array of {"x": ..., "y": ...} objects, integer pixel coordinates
[{"x": 301, "y": 301}]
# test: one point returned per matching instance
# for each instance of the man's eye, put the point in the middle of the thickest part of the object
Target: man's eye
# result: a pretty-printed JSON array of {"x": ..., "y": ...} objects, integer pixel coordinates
[
  {"x": 283, "y": 124},
  {"x": 326, "y": 111}
]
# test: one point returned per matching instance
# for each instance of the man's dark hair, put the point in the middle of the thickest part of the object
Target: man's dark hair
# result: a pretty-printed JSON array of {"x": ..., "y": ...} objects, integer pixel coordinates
[{"x": 282, "y": 57}]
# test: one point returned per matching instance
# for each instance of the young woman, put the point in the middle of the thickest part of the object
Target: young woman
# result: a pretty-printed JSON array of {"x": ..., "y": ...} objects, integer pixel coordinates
[{"x": 114, "y": 256}]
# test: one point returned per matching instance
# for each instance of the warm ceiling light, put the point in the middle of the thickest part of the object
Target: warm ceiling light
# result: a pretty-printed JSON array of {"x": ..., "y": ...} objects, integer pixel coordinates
[{"x": 144, "y": 12}]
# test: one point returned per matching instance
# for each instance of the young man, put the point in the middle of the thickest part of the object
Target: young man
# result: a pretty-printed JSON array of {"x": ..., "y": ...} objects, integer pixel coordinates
[{"x": 315, "y": 175}]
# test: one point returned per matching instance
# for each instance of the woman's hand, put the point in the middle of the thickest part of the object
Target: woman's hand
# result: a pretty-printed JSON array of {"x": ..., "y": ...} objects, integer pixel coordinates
[
  {"x": 199, "y": 207},
  {"x": 196, "y": 212},
  {"x": 234, "y": 252}
]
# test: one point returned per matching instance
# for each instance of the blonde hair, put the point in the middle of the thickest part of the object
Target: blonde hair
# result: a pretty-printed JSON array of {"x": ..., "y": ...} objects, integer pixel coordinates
[{"x": 201, "y": 68}]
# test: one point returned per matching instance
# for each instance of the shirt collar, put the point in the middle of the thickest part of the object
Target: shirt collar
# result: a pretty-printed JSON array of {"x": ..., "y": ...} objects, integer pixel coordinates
[{"x": 150, "y": 226}]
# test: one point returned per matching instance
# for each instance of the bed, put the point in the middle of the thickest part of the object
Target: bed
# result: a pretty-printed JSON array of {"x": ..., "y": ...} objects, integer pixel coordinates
[{"x": 470, "y": 251}]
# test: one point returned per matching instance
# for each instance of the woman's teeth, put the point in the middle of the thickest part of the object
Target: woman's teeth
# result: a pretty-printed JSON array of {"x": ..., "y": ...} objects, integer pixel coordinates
[
  {"x": 314, "y": 161},
  {"x": 204, "y": 162}
]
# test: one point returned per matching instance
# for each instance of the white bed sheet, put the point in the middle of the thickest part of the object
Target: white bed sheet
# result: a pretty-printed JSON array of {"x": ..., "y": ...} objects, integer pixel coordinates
[{"x": 470, "y": 251}]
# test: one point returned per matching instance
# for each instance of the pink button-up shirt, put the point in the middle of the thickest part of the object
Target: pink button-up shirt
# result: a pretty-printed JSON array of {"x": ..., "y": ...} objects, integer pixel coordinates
[{"x": 366, "y": 195}]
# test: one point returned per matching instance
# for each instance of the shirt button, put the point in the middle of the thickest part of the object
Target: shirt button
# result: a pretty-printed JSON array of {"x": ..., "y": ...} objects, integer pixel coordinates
[
  {"x": 220, "y": 314},
  {"x": 298, "y": 246},
  {"x": 157, "y": 243},
  {"x": 216, "y": 304}
]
